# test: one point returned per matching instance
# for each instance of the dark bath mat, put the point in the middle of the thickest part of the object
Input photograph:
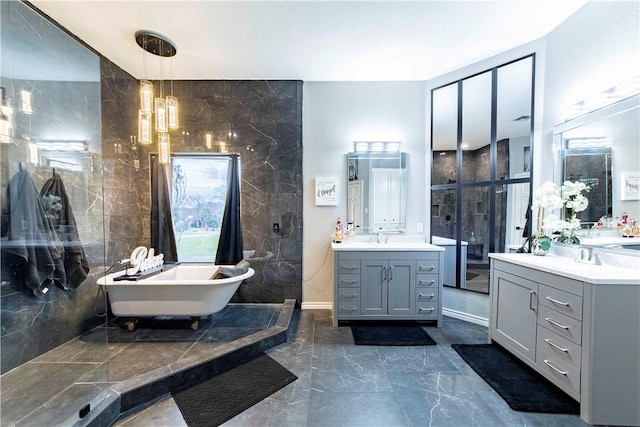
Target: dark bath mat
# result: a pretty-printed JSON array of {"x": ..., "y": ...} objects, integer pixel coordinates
[
  {"x": 214, "y": 401},
  {"x": 390, "y": 335},
  {"x": 520, "y": 386}
]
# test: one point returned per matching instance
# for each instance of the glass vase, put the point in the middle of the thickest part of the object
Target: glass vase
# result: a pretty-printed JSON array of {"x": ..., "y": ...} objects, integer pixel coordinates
[{"x": 540, "y": 245}]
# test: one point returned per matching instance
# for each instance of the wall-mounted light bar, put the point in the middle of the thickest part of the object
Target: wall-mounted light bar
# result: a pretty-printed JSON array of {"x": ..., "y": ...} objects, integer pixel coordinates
[
  {"x": 587, "y": 142},
  {"x": 62, "y": 145},
  {"x": 617, "y": 93},
  {"x": 376, "y": 146}
]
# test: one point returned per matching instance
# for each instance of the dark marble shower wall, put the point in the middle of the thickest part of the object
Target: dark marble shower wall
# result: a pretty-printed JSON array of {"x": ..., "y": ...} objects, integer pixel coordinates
[{"x": 266, "y": 119}]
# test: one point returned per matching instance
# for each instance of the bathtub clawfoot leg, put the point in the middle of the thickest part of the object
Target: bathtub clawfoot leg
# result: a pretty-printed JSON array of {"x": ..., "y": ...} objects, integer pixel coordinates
[{"x": 195, "y": 323}]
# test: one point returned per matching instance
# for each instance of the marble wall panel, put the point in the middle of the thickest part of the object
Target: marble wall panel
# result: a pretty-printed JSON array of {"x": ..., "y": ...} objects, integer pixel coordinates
[{"x": 264, "y": 119}]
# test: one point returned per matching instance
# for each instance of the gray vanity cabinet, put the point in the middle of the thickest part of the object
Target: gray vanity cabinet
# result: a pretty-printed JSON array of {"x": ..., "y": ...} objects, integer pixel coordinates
[
  {"x": 574, "y": 324},
  {"x": 514, "y": 318},
  {"x": 388, "y": 285}
]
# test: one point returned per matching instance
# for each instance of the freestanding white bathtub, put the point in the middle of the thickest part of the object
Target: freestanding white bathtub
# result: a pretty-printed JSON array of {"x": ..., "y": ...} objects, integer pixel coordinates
[{"x": 184, "y": 290}]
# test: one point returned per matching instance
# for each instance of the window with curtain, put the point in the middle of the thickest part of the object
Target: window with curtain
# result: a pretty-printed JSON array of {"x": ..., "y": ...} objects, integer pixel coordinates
[{"x": 199, "y": 185}]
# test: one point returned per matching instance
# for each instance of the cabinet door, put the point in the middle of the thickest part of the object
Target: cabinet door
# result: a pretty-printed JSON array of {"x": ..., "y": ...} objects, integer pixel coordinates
[
  {"x": 513, "y": 317},
  {"x": 373, "y": 287},
  {"x": 402, "y": 290}
]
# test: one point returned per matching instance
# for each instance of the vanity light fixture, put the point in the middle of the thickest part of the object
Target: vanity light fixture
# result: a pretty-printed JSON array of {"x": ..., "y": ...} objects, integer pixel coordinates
[
  {"x": 377, "y": 146},
  {"x": 49, "y": 145},
  {"x": 610, "y": 96},
  {"x": 587, "y": 142},
  {"x": 164, "y": 108}
]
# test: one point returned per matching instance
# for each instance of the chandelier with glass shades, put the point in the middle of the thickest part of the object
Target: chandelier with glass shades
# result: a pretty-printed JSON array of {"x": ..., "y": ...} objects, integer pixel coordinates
[{"x": 163, "y": 108}]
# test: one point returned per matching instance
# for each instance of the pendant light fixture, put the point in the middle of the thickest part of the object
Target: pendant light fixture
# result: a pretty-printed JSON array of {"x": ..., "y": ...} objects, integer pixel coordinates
[{"x": 164, "y": 108}]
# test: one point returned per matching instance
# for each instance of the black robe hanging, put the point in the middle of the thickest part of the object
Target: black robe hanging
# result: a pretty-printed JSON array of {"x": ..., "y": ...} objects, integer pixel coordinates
[
  {"x": 76, "y": 264},
  {"x": 29, "y": 244}
]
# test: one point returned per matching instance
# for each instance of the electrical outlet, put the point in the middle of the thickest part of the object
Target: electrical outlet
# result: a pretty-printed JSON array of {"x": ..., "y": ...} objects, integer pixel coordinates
[
  {"x": 420, "y": 227},
  {"x": 276, "y": 228}
]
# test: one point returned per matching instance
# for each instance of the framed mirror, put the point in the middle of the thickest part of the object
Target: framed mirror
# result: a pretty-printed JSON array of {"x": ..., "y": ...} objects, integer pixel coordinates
[
  {"x": 600, "y": 148},
  {"x": 377, "y": 192}
]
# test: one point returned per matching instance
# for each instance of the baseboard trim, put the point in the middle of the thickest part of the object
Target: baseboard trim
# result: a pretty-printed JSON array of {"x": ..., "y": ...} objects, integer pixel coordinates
[
  {"x": 316, "y": 306},
  {"x": 465, "y": 316}
]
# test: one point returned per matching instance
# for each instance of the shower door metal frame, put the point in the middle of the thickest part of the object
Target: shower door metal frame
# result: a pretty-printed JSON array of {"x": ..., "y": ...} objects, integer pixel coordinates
[{"x": 493, "y": 183}]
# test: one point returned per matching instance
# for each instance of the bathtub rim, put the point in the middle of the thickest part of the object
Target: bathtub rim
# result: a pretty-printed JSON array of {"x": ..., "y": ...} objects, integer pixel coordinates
[{"x": 108, "y": 281}]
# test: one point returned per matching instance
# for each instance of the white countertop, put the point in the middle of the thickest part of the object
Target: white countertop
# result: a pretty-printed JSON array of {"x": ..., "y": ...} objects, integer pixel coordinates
[
  {"x": 355, "y": 245},
  {"x": 610, "y": 240},
  {"x": 567, "y": 267}
]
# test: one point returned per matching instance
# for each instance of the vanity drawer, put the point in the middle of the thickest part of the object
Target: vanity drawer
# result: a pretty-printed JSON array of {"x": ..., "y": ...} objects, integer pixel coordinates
[
  {"x": 427, "y": 280},
  {"x": 426, "y": 294},
  {"x": 561, "y": 373},
  {"x": 560, "y": 347},
  {"x": 427, "y": 266},
  {"x": 561, "y": 301},
  {"x": 349, "y": 294},
  {"x": 424, "y": 308},
  {"x": 349, "y": 280},
  {"x": 348, "y": 307},
  {"x": 349, "y": 266},
  {"x": 561, "y": 324}
]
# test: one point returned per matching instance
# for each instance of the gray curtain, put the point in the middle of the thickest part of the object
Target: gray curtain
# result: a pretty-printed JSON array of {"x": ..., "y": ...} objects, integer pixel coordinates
[
  {"x": 162, "y": 237},
  {"x": 230, "y": 244}
]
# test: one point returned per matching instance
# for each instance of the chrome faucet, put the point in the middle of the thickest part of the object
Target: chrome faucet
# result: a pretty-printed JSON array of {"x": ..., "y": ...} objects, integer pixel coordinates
[
  {"x": 381, "y": 238},
  {"x": 587, "y": 256}
]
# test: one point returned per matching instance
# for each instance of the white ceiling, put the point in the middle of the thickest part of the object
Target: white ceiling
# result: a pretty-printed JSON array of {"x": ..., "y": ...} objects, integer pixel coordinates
[{"x": 309, "y": 40}]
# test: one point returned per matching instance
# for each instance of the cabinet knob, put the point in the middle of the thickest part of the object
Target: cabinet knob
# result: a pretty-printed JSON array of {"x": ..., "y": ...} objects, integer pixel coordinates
[
  {"x": 348, "y": 295},
  {"x": 426, "y": 309},
  {"x": 348, "y": 267},
  {"x": 427, "y": 282},
  {"x": 427, "y": 295},
  {"x": 348, "y": 281},
  {"x": 426, "y": 268},
  {"x": 349, "y": 309}
]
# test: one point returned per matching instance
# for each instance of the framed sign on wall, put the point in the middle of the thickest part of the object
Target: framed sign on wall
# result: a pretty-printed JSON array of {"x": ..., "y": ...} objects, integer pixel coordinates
[
  {"x": 326, "y": 193},
  {"x": 630, "y": 186}
]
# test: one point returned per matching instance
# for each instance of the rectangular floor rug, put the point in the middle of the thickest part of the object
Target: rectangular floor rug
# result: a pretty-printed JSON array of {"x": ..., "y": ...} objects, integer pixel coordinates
[
  {"x": 520, "y": 386},
  {"x": 216, "y": 400},
  {"x": 390, "y": 335}
]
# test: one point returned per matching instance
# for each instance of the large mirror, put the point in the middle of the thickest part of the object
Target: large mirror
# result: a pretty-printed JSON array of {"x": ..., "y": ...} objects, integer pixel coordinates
[
  {"x": 601, "y": 149},
  {"x": 377, "y": 192}
]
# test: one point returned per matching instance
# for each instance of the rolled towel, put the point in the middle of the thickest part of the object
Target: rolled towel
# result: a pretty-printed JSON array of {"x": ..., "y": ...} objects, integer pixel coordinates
[{"x": 238, "y": 269}]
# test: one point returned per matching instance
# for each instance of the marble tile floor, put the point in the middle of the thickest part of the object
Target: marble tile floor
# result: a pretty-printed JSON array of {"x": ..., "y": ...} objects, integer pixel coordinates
[
  {"x": 50, "y": 389},
  {"x": 341, "y": 384}
]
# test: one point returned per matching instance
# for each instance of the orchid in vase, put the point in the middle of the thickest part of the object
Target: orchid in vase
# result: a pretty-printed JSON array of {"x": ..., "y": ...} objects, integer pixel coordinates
[
  {"x": 548, "y": 198},
  {"x": 574, "y": 201}
]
